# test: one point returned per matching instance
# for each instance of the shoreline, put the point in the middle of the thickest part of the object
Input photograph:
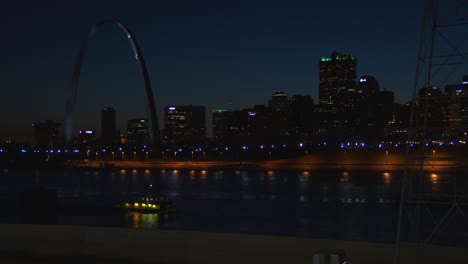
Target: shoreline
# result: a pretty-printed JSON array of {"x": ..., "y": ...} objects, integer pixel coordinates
[{"x": 280, "y": 165}]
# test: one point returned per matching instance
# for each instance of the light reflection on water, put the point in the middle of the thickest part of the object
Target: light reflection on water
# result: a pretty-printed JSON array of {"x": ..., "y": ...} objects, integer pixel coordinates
[
  {"x": 326, "y": 204},
  {"x": 143, "y": 221}
]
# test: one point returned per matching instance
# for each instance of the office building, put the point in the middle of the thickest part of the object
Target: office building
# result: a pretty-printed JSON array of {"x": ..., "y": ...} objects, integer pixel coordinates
[
  {"x": 46, "y": 134},
  {"x": 184, "y": 124},
  {"x": 109, "y": 134},
  {"x": 279, "y": 100},
  {"x": 138, "y": 132},
  {"x": 337, "y": 80}
]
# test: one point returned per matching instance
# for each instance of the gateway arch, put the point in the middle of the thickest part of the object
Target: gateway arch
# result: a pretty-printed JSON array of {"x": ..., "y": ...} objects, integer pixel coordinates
[{"x": 152, "y": 118}]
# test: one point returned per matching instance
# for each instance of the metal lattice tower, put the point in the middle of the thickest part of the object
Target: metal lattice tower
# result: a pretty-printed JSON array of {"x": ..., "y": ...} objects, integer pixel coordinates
[{"x": 434, "y": 195}]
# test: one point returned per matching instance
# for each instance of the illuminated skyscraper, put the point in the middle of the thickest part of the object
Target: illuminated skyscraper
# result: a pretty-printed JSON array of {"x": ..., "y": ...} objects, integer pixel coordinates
[
  {"x": 138, "y": 132},
  {"x": 337, "y": 80},
  {"x": 184, "y": 124}
]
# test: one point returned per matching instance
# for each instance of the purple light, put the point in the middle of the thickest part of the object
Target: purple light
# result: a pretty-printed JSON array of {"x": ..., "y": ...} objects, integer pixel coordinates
[
  {"x": 380, "y": 145},
  {"x": 23, "y": 151},
  {"x": 301, "y": 145},
  {"x": 120, "y": 149},
  {"x": 180, "y": 150},
  {"x": 171, "y": 108},
  {"x": 89, "y": 132},
  {"x": 103, "y": 150},
  {"x": 76, "y": 151},
  {"x": 284, "y": 145},
  {"x": 244, "y": 147},
  {"x": 58, "y": 150},
  {"x": 226, "y": 148},
  {"x": 261, "y": 146}
]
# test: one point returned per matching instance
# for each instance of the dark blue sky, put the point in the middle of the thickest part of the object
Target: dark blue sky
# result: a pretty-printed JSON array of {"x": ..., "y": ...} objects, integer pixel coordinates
[{"x": 221, "y": 54}]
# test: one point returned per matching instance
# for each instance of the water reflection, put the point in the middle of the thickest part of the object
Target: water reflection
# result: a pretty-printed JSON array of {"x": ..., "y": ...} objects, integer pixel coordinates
[
  {"x": 271, "y": 177},
  {"x": 143, "y": 221},
  {"x": 435, "y": 182},
  {"x": 387, "y": 177},
  {"x": 192, "y": 176},
  {"x": 204, "y": 176},
  {"x": 345, "y": 177}
]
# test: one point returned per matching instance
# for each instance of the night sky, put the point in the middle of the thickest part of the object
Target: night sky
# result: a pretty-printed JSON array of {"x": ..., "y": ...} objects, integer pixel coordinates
[{"x": 221, "y": 54}]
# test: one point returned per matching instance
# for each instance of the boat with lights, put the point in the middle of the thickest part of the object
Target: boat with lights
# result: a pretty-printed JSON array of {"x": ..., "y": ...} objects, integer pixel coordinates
[{"x": 148, "y": 204}]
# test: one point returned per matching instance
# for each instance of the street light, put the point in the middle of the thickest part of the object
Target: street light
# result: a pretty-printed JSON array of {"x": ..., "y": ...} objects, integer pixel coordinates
[{"x": 192, "y": 155}]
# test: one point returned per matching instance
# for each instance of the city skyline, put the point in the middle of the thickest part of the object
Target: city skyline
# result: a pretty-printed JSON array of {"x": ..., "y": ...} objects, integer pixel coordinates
[{"x": 213, "y": 54}]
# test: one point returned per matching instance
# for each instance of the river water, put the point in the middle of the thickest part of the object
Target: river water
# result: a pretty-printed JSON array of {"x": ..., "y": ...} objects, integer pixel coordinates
[{"x": 328, "y": 204}]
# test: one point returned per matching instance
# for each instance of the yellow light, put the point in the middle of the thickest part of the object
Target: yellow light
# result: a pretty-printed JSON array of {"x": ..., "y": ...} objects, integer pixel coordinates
[
  {"x": 345, "y": 174},
  {"x": 147, "y": 171},
  {"x": 306, "y": 173},
  {"x": 386, "y": 174},
  {"x": 175, "y": 171},
  {"x": 122, "y": 171},
  {"x": 155, "y": 207},
  {"x": 203, "y": 172},
  {"x": 127, "y": 205},
  {"x": 143, "y": 205},
  {"x": 136, "y": 204}
]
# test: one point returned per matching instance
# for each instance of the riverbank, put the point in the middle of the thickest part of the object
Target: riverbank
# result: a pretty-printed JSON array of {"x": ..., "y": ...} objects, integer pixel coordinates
[
  {"x": 167, "y": 246},
  {"x": 325, "y": 160}
]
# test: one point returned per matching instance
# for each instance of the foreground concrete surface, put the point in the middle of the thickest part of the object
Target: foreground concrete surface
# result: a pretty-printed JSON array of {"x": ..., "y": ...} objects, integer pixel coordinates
[{"x": 78, "y": 244}]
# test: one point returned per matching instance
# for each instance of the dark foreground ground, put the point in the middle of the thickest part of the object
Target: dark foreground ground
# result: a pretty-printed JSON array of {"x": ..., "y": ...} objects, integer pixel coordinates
[{"x": 72, "y": 244}]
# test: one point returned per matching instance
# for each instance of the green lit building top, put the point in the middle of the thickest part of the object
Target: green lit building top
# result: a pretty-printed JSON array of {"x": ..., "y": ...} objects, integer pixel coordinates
[{"x": 337, "y": 80}]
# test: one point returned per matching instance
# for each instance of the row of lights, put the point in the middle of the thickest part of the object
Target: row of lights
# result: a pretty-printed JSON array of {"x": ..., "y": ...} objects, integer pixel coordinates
[{"x": 245, "y": 147}]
